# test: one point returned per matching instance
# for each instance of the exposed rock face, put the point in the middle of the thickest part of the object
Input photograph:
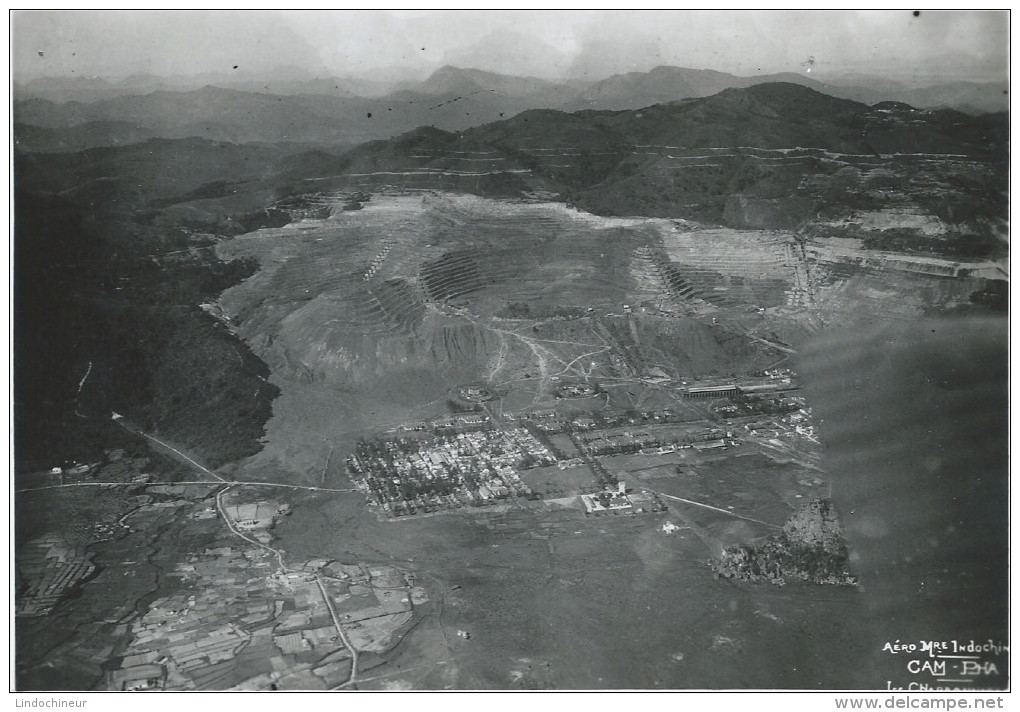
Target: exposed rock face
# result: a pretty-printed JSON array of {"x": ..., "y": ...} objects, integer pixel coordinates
[
  {"x": 816, "y": 525},
  {"x": 810, "y": 548}
]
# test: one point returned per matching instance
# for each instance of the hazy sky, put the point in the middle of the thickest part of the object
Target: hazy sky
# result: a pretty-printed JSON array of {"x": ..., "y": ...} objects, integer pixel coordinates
[{"x": 552, "y": 44}]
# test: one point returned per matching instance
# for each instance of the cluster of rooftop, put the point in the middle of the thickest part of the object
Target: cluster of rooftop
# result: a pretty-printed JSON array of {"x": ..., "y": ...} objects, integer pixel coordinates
[
  {"x": 404, "y": 476},
  {"x": 576, "y": 390},
  {"x": 475, "y": 392},
  {"x": 257, "y": 517},
  {"x": 656, "y": 442},
  {"x": 551, "y": 422},
  {"x": 114, "y": 467},
  {"x": 606, "y": 501},
  {"x": 755, "y": 405},
  {"x": 617, "y": 500},
  {"x": 794, "y": 424}
]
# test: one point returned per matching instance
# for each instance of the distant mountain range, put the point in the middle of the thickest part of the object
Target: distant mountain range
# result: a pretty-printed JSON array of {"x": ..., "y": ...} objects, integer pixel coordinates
[
  {"x": 695, "y": 157},
  {"x": 664, "y": 84},
  {"x": 328, "y": 111},
  {"x": 770, "y": 155}
]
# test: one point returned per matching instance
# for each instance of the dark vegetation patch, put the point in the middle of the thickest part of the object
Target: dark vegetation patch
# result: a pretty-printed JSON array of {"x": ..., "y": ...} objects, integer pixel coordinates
[
  {"x": 995, "y": 295},
  {"x": 964, "y": 247},
  {"x": 96, "y": 293},
  {"x": 528, "y": 310}
]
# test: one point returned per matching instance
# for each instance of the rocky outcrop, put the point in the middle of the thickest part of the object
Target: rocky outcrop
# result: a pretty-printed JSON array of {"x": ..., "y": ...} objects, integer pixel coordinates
[{"x": 810, "y": 548}]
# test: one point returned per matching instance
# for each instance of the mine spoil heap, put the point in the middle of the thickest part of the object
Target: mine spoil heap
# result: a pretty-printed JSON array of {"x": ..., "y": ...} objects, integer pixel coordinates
[{"x": 810, "y": 548}]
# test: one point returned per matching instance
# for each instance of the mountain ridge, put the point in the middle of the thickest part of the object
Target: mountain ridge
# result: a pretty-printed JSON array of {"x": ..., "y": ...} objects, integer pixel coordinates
[
  {"x": 766, "y": 155},
  {"x": 772, "y": 155},
  {"x": 452, "y": 98}
]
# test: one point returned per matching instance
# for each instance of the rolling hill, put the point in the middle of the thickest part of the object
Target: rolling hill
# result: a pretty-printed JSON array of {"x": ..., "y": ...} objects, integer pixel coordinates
[{"x": 665, "y": 84}]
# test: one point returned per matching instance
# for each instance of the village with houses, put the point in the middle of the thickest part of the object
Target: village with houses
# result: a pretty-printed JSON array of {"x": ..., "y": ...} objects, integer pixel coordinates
[{"x": 488, "y": 457}]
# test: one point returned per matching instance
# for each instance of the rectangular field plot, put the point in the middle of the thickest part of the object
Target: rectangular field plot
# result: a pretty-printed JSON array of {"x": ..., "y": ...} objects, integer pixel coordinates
[
  {"x": 551, "y": 481},
  {"x": 564, "y": 444},
  {"x": 751, "y": 485},
  {"x": 638, "y": 467}
]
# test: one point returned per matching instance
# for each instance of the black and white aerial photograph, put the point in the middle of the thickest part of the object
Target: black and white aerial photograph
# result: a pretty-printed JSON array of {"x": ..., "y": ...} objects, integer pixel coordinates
[{"x": 510, "y": 350}]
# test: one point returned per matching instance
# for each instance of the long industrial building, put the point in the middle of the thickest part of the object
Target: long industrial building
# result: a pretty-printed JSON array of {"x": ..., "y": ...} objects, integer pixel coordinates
[{"x": 710, "y": 391}]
